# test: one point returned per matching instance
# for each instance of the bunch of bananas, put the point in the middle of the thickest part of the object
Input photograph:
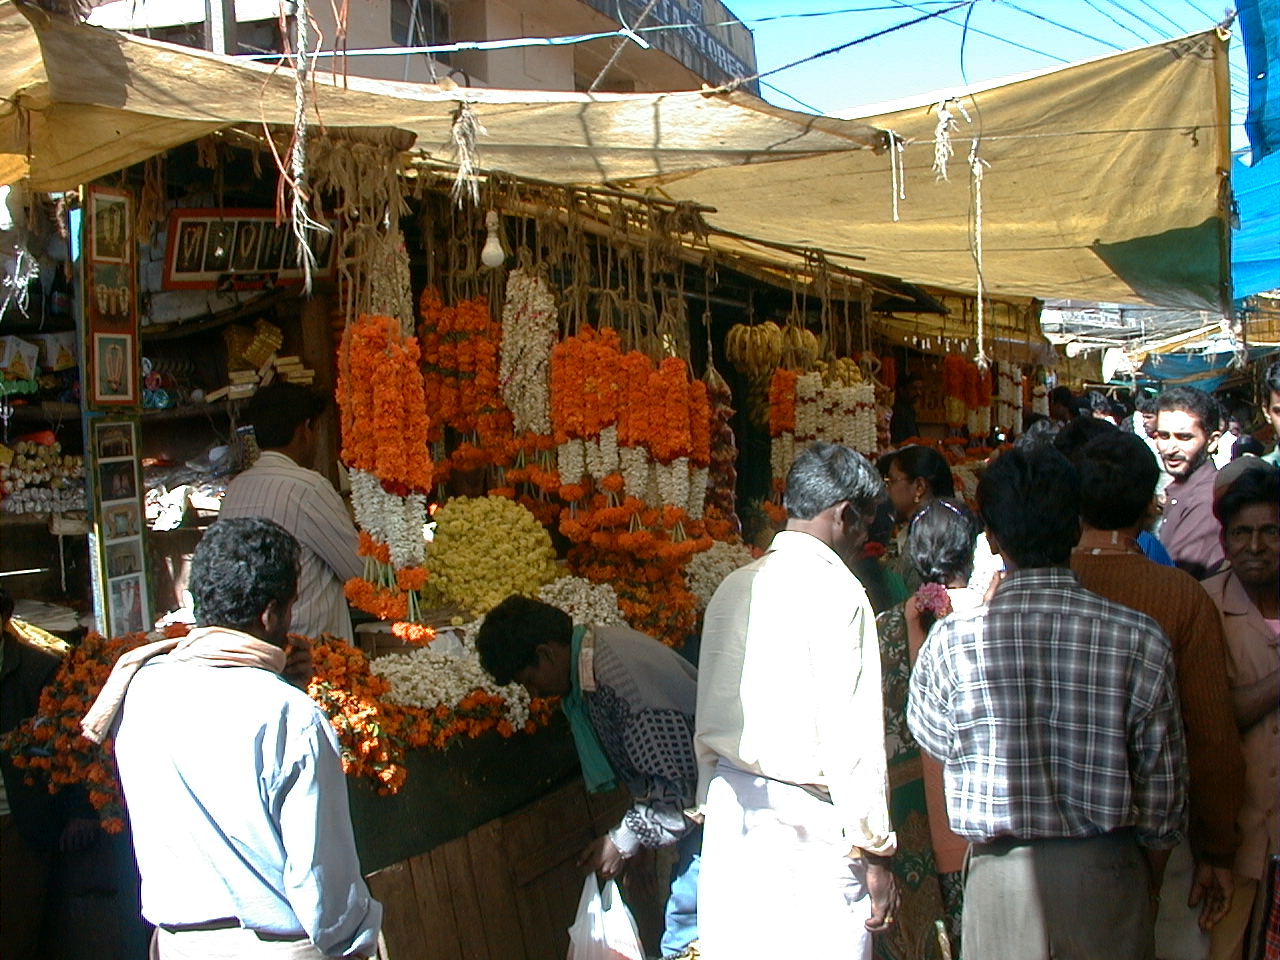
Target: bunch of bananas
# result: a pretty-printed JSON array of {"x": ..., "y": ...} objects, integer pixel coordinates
[
  {"x": 754, "y": 351},
  {"x": 800, "y": 348},
  {"x": 840, "y": 372}
]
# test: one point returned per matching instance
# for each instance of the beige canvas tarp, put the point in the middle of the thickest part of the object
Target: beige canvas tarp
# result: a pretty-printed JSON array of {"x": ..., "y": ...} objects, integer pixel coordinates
[
  {"x": 1105, "y": 179},
  {"x": 85, "y": 101}
]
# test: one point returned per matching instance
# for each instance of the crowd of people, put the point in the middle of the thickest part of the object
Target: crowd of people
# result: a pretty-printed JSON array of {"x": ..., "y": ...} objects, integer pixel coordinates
[{"x": 1046, "y": 727}]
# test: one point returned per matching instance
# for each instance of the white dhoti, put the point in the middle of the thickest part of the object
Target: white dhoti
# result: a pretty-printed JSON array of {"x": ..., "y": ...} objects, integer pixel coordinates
[
  {"x": 776, "y": 877},
  {"x": 229, "y": 944}
]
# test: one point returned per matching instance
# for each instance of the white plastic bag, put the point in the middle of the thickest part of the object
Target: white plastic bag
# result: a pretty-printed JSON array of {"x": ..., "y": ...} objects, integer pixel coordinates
[{"x": 604, "y": 928}]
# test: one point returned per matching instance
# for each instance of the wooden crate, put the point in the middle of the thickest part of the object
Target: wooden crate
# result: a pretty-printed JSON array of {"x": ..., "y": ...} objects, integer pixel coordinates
[{"x": 508, "y": 889}]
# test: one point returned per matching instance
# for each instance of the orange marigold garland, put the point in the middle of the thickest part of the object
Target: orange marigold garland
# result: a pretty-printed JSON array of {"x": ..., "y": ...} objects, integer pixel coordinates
[{"x": 386, "y": 443}]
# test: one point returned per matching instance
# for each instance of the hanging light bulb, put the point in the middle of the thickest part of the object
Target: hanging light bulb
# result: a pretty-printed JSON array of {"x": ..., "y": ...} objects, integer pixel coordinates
[{"x": 492, "y": 255}]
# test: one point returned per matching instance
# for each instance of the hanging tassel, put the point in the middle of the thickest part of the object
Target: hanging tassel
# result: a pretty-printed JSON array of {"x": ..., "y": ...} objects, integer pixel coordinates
[
  {"x": 897, "y": 170},
  {"x": 466, "y": 130},
  {"x": 976, "y": 165},
  {"x": 302, "y": 221},
  {"x": 947, "y": 123}
]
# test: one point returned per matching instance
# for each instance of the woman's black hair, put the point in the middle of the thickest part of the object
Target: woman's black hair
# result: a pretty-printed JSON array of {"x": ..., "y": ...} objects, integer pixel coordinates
[
  {"x": 512, "y": 631},
  {"x": 241, "y": 565},
  {"x": 917, "y": 461},
  {"x": 940, "y": 541}
]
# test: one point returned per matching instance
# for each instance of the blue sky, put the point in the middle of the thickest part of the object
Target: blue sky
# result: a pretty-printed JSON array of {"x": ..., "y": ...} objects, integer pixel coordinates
[{"x": 1005, "y": 37}]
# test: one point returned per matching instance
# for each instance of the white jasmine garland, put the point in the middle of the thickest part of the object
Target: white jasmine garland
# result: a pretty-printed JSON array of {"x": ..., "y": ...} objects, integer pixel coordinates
[
  {"x": 391, "y": 519},
  {"x": 572, "y": 457},
  {"x": 635, "y": 471},
  {"x": 586, "y": 602},
  {"x": 427, "y": 677},
  {"x": 699, "y": 477},
  {"x": 529, "y": 331},
  {"x": 679, "y": 472},
  {"x": 707, "y": 569}
]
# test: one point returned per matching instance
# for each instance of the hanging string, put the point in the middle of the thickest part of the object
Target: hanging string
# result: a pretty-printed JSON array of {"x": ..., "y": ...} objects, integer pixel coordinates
[
  {"x": 302, "y": 221},
  {"x": 976, "y": 167},
  {"x": 897, "y": 170}
]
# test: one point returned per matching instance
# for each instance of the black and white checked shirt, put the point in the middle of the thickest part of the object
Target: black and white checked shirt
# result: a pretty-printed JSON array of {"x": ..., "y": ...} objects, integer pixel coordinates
[{"x": 1055, "y": 714}]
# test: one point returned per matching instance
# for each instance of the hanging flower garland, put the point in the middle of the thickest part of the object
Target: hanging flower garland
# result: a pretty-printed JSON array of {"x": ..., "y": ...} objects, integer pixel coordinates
[
  {"x": 386, "y": 443},
  {"x": 722, "y": 474},
  {"x": 460, "y": 348},
  {"x": 955, "y": 389},
  {"x": 529, "y": 331},
  {"x": 1008, "y": 405}
]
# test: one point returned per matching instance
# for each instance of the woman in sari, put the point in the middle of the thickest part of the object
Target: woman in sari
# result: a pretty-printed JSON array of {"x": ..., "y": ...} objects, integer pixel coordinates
[{"x": 930, "y": 858}]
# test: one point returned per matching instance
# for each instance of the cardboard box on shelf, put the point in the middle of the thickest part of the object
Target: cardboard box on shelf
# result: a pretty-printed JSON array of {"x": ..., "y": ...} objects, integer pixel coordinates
[
  {"x": 57, "y": 350},
  {"x": 18, "y": 358}
]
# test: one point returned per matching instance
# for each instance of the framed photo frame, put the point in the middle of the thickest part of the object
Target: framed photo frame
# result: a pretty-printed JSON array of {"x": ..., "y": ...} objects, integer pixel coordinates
[
  {"x": 110, "y": 225},
  {"x": 127, "y": 604},
  {"x": 115, "y": 369},
  {"x": 111, "y": 299},
  {"x": 237, "y": 249}
]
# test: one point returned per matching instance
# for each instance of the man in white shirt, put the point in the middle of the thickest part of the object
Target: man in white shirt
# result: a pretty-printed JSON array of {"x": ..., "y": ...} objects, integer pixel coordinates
[
  {"x": 282, "y": 488},
  {"x": 790, "y": 734}
]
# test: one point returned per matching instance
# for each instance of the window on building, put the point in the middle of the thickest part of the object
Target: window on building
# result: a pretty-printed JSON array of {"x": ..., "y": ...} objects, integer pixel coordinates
[{"x": 420, "y": 23}]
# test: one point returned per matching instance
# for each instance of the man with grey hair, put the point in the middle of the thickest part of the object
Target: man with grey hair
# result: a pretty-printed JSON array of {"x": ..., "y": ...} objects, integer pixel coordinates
[{"x": 790, "y": 734}]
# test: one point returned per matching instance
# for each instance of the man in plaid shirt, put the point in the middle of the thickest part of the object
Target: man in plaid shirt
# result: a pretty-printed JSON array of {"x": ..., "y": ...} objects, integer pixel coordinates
[{"x": 1055, "y": 715}]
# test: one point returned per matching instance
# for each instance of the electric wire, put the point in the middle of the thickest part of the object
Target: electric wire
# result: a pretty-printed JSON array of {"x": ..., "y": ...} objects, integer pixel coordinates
[{"x": 992, "y": 36}]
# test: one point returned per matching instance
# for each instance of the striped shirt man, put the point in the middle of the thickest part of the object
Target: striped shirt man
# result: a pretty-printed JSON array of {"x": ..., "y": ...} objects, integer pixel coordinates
[{"x": 305, "y": 504}]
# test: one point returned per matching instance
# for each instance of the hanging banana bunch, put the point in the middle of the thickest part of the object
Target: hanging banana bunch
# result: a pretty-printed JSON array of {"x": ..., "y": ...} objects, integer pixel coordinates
[{"x": 754, "y": 350}]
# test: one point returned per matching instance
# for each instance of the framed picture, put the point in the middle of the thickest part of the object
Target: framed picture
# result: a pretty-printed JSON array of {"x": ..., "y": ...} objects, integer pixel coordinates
[
  {"x": 110, "y": 225},
  {"x": 118, "y": 480},
  {"x": 126, "y": 602},
  {"x": 236, "y": 249},
  {"x": 114, "y": 440},
  {"x": 120, "y": 521},
  {"x": 111, "y": 298},
  {"x": 115, "y": 374},
  {"x": 124, "y": 558}
]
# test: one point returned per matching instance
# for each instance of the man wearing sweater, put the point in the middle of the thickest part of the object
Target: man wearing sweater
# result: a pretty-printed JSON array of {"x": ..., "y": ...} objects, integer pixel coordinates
[
  {"x": 1187, "y": 426},
  {"x": 629, "y": 701},
  {"x": 1117, "y": 483}
]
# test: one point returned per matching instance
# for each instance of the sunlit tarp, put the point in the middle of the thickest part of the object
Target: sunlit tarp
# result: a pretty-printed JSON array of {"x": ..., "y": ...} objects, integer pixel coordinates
[
  {"x": 1255, "y": 247},
  {"x": 1106, "y": 179},
  {"x": 1106, "y": 182}
]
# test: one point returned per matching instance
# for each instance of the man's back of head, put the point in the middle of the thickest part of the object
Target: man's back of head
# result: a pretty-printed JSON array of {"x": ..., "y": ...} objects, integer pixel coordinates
[
  {"x": 244, "y": 572},
  {"x": 827, "y": 473},
  {"x": 1030, "y": 503},
  {"x": 1118, "y": 474},
  {"x": 277, "y": 410}
]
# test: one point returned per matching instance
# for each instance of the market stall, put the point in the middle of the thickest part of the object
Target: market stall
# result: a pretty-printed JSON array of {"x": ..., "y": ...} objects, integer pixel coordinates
[{"x": 546, "y": 384}]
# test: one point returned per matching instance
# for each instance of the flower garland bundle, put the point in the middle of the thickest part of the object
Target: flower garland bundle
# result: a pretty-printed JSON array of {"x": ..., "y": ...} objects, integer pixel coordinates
[
  {"x": 485, "y": 549},
  {"x": 889, "y": 372},
  {"x": 585, "y": 389},
  {"x": 1008, "y": 405},
  {"x": 706, "y": 570},
  {"x": 1040, "y": 392},
  {"x": 460, "y": 347},
  {"x": 49, "y": 745},
  {"x": 380, "y": 391},
  {"x": 652, "y": 595},
  {"x": 446, "y": 696},
  {"x": 722, "y": 473},
  {"x": 529, "y": 331},
  {"x": 586, "y": 602},
  {"x": 955, "y": 388},
  {"x": 371, "y": 730},
  {"x": 979, "y": 416},
  {"x": 782, "y": 402}
]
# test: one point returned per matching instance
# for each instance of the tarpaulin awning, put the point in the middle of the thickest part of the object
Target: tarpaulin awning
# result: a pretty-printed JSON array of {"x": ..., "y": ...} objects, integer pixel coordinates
[
  {"x": 1255, "y": 247},
  {"x": 1104, "y": 180},
  {"x": 84, "y": 101}
]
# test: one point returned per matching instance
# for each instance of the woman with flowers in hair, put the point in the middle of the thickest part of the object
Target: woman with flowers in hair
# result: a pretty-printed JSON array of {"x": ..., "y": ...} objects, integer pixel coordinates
[{"x": 940, "y": 548}]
